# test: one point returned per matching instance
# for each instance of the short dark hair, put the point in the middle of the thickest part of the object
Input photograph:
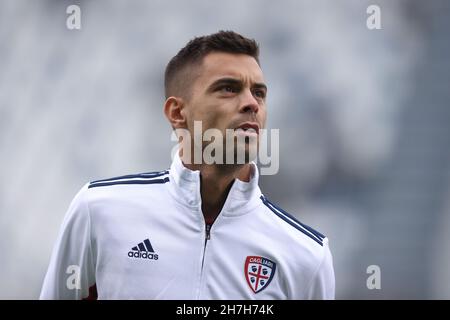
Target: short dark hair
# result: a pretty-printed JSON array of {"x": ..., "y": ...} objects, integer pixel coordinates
[{"x": 179, "y": 76}]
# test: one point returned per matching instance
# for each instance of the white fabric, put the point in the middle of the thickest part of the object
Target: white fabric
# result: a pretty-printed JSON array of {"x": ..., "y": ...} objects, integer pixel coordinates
[{"x": 104, "y": 223}]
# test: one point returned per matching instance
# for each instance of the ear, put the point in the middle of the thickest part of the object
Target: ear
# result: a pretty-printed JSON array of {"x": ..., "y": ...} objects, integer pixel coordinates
[{"x": 174, "y": 109}]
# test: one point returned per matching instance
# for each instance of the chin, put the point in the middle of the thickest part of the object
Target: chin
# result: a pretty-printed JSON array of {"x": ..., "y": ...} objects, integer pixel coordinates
[{"x": 245, "y": 153}]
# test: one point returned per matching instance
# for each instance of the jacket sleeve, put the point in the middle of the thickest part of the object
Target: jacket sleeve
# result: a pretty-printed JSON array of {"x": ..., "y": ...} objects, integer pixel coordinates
[
  {"x": 71, "y": 272},
  {"x": 322, "y": 285}
]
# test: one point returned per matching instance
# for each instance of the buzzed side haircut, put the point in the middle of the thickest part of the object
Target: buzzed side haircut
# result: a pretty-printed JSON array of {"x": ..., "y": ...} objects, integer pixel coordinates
[{"x": 182, "y": 69}]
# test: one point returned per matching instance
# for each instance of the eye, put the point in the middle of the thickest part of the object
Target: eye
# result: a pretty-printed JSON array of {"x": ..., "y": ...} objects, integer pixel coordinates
[
  {"x": 228, "y": 89},
  {"x": 259, "y": 93}
]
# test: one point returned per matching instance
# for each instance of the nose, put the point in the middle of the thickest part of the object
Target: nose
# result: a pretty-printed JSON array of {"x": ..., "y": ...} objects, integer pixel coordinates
[{"x": 248, "y": 102}]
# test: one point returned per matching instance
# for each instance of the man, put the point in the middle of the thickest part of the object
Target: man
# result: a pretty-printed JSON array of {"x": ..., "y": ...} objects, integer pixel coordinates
[{"x": 199, "y": 230}]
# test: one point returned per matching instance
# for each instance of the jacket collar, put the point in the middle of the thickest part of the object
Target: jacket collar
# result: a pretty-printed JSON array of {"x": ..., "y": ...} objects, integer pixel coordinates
[{"x": 185, "y": 187}]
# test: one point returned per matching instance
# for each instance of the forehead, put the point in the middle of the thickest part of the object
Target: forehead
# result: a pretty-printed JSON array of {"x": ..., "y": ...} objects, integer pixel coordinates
[{"x": 217, "y": 65}]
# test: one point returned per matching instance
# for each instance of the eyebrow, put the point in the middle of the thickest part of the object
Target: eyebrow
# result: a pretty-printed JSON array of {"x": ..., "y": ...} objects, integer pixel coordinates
[{"x": 233, "y": 81}]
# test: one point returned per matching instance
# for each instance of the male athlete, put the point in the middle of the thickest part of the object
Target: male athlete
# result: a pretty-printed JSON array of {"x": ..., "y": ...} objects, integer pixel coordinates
[{"x": 198, "y": 230}]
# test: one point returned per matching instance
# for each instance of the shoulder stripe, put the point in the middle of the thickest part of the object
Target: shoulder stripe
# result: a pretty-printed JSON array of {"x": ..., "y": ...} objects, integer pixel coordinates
[
  {"x": 147, "y": 175},
  {"x": 293, "y": 222},
  {"x": 315, "y": 232},
  {"x": 121, "y": 182}
]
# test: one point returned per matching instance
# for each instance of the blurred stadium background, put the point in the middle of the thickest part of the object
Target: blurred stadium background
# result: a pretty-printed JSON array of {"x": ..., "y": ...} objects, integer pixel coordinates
[{"x": 364, "y": 118}]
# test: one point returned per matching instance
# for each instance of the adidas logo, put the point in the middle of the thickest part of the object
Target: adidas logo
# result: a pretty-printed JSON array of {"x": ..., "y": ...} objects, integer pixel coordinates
[{"x": 143, "y": 250}]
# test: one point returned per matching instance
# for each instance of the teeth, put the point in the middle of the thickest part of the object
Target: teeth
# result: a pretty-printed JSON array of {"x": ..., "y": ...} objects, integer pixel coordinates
[{"x": 247, "y": 129}]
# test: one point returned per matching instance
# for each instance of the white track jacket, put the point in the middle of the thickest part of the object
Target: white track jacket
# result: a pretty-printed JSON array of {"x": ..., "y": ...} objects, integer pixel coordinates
[{"x": 143, "y": 236}]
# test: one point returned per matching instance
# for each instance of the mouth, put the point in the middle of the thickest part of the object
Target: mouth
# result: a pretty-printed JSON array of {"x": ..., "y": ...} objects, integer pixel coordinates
[{"x": 248, "y": 128}]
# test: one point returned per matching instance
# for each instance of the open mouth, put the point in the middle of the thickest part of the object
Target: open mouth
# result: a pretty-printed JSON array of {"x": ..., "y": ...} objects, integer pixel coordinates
[{"x": 248, "y": 128}]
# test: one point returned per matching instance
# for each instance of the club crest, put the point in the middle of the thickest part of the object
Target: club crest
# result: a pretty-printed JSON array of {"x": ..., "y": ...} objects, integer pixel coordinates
[{"x": 259, "y": 272}]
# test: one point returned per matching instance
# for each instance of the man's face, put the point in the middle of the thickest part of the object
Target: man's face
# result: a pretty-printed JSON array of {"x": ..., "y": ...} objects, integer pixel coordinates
[{"x": 229, "y": 93}]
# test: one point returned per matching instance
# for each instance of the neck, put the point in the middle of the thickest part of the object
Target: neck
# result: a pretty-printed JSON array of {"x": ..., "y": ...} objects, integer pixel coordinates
[{"x": 215, "y": 184}]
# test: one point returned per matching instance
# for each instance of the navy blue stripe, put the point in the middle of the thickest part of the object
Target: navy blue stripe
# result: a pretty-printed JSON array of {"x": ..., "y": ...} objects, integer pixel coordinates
[
  {"x": 281, "y": 211},
  {"x": 296, "y": 226},
  {"x": 139, "y": 175},
  {"x": 141, "y": 247},
  {"x": 315, "y": 232},
  {"x": 166, "y": 179},
  {"x": 148, "y": 245}
]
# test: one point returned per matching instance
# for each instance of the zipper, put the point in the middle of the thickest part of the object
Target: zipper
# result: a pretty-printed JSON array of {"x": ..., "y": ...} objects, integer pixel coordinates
[
  {"x": 205, "y": 244},
  {"x": 208, "y": 232},
  {"x": 207, "y": 237}
]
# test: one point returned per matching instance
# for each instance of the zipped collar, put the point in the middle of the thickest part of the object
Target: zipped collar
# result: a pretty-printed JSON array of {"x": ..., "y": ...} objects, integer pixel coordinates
[{"x": 185, "y": 187}]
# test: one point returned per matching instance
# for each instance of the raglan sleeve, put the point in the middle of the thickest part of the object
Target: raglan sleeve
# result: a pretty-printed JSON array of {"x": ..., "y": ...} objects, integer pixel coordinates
[
  {"x": 71, "y": 272},
  {"x": 322, "y": 285}
]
